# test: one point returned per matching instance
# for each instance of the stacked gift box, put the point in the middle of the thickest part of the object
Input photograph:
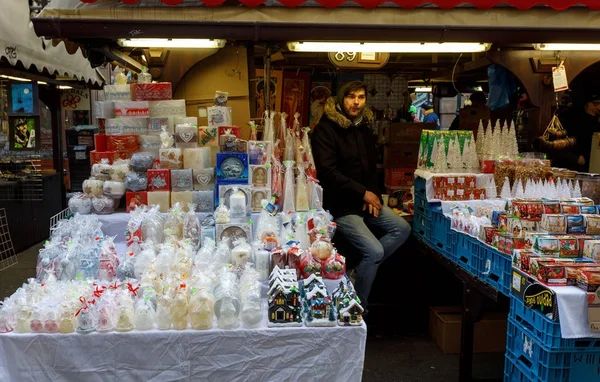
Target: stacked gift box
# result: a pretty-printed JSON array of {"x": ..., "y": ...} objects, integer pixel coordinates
[
  {"x": 555, "y": 241},
  {"x": 457, "y": 187},
  {"x": 131, "y": 117}
]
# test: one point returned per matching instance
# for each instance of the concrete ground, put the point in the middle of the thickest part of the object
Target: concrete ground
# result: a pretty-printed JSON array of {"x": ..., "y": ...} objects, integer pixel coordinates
[{"x": 389, "y": 356}]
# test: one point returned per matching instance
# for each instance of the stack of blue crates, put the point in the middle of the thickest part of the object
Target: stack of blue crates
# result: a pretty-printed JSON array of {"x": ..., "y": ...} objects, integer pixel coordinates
[{"x": 536, "y": 352}]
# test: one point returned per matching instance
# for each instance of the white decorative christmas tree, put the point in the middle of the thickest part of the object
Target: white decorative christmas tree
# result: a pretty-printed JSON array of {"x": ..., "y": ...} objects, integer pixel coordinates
[
  {"x": 496, "y": 148},
  {"x": 571, "y": 189},
  {"x": 528, "y": 188},
  {"x": 513, "y": 190},
  {"x": 487, "y": 142},
  {"x": 519, "y": 193},
  {"x": 577, "y": 190},
  {"x": 550, "y": 189},
  {"x": 455, "y": 163},
  {"x": 505, "y": 192},
  {"x": 441, "y": 162},
  {"x": 514, "y": 145},
  {"x": 566, "y": 190},
  {"x": 472, "y": 160},
  {"x": 480, "y": 138},
  {"x": 491, "y": 191}
]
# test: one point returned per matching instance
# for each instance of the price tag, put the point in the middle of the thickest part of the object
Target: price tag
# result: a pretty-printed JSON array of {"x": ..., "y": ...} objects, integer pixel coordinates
[{"x": 559, "y": 78}]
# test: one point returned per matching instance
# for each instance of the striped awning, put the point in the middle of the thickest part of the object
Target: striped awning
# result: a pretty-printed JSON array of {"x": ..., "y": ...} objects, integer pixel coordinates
[{"x": 444, "y": 4}]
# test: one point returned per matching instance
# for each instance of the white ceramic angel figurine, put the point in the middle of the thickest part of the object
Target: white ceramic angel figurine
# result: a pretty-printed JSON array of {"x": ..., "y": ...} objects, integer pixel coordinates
[
  {"x": 222, "y": 214},
  {"x": 166, "y": 139}
]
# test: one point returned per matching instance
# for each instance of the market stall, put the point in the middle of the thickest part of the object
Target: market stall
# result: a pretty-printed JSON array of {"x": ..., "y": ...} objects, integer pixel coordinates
[
  {"x": 504, "y": 239},
  {"x": 199, "y": 262}
]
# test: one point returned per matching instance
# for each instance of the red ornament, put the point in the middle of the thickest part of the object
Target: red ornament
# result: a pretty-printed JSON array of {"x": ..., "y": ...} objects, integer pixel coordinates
[
  {"x": 334, "y": 267},
  {"x": 309, "y": 265}
]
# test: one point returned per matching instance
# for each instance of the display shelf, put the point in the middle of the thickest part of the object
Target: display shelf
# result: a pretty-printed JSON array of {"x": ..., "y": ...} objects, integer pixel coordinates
[{"x": 538, "y": 363}]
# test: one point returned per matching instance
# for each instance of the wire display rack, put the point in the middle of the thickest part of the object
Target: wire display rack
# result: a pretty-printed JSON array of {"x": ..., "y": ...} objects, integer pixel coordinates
[
  {"x": 62, "y": 215},
  {"x": 8, "y": 257},
  {"x": 21, "y": 179}
]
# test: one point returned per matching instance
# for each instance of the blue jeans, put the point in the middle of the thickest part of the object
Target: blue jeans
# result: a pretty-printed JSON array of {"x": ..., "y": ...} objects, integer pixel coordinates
[{"x": 355, "y": 229}]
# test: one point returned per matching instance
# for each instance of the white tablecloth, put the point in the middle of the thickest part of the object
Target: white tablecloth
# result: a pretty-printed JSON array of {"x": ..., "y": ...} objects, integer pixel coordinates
[
  {"x": 572, "y": 312},
  {"x": 265, "y": 354}
]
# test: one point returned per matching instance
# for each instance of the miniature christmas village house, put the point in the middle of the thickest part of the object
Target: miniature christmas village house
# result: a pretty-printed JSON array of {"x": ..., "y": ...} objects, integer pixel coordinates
[
  {"x": 318, "y": 306},
  {"x": 284, "y": 299},
  {"x": 348, "y": 309},
  {"x": 350, "y": 313}
]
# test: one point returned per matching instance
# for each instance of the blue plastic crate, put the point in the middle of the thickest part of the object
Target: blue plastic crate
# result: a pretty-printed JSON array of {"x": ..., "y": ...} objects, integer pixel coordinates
[
  {"x": 512, "y": 373},
  {"x": 422, "y": 227},
  {"x": 420, "y": 186},
  {"x": 426, "y": 208},
  {"x": 440, "y": 232},
  {"x": 496, "y": 268},
  {"x": 450, "y": 250},
  {"x": 546, "y": 331},
  {"x": 467, "y": 253},
  {"x": 540, "y": 364}
]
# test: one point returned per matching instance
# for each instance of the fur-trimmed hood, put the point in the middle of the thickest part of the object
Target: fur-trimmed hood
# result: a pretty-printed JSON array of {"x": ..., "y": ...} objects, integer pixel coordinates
[{"x": 335, "y": 115}]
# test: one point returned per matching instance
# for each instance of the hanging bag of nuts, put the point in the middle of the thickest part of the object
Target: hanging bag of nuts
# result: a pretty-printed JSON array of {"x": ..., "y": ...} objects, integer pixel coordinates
[{"x": 555, "y": 137}]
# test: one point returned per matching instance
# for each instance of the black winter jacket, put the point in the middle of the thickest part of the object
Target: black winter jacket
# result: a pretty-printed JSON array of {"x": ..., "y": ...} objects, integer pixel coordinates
[{"x": 345, "y": 158}]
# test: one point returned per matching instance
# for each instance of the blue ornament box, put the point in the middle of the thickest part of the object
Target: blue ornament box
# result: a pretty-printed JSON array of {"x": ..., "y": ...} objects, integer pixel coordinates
[{"x": 232, "y": 168}]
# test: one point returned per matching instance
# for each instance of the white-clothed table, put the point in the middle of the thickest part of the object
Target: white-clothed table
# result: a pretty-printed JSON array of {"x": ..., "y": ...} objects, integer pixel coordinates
[
  {"x": 573, "y": 312},
  {"x": 265, "y": 354}
]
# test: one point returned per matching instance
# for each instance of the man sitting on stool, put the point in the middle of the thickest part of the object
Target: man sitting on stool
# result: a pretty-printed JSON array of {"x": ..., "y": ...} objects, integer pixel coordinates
[{"x": 344, "y": 151}]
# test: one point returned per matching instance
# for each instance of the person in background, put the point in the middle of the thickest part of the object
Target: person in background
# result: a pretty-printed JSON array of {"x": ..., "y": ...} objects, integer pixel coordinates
[
  {"x": 429, "y": 116},
  {"x": 343, "y": 147},
  {"x": 414, "y": 115},
  {"x": 581, "y": 123},
  {"x": 478, "y": 103}
]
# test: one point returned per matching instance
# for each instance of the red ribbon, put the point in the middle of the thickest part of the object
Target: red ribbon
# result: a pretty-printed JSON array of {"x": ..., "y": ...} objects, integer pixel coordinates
[
  {"x": 98, "y": 292},
  {"x": 114, "y": 286},
  {"x": 85, "y": 305},
  {"x": 132, "y": 289}
]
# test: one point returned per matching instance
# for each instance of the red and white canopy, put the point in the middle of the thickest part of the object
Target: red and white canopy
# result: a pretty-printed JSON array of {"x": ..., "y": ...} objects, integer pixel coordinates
[{"x": 445, "y": 4}]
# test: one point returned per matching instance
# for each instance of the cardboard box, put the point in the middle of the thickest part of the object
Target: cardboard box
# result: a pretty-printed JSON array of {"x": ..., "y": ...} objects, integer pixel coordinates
[
  {"x": 445, "y": 330},
  {"x": 399, "y": 177},
  {"x": 401, "y": 133},
  {"x": 400, "y": 157}
]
